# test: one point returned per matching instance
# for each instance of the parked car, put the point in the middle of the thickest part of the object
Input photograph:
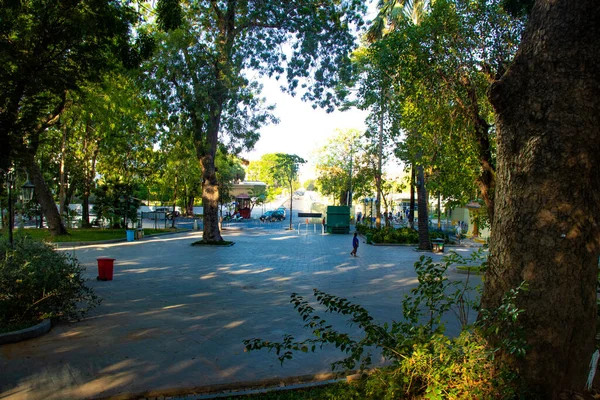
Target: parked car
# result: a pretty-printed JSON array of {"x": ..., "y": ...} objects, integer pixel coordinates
[
  {"x": 169, "y": 213},
  {"x": 278, "y": 215},
  {"x": 281, "y": 210},
  {"x": 270, "y": 216},
  {"x": 266, "y": 216}
]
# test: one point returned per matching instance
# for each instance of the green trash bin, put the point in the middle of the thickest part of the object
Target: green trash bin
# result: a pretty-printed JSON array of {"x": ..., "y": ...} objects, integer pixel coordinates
[
  {"x": 369, "y": 238},
  {"x": 338, "y": 219}
]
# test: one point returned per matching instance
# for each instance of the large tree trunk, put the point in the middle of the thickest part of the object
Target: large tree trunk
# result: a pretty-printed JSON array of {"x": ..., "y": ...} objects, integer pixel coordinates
[
  {"x": 424, "y": 242},
  {"x": 546, "y": 227},
  {"x": 210, "y": 201},
  {"x": 44, "y": 196}
]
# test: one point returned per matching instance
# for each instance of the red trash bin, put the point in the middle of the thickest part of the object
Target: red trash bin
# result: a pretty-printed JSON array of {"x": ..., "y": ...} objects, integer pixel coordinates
[{"x": 105, "y": 268}]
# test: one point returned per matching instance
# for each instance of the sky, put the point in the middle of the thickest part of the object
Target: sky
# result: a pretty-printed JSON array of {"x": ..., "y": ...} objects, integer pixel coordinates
[{"x": 301, "y": 128}]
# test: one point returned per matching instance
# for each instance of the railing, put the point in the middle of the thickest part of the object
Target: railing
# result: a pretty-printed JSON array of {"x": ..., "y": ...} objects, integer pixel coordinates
[{"x": 306, "y": 225}]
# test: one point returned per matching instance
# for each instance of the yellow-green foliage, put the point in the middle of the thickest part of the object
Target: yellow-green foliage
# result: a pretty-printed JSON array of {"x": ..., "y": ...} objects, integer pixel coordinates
[{"x": 443, "y": 368}]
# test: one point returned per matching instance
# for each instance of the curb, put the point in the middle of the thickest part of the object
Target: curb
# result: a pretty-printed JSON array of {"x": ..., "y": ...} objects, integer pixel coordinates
[
  {"x": 234, "y": 389},
  {"x": 75, "y": 244},
  {"x": 195, "y": 244},
  {"x": 27, "y": 333}
]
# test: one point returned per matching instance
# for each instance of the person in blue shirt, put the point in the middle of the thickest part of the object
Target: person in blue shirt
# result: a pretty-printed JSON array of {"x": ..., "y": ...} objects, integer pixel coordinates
[{"x": 354, "y": 244}]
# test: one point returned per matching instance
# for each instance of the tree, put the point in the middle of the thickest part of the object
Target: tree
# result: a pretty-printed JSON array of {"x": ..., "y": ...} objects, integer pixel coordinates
[
  {"x": 211, "y": 46},
  {"x": 309, "y": 184},
  {"x": 48, "y": 49},
  {"x": 262, "y": 170},
  {"x": 115, "y": 201},
  {"x": 286, "y": 172},
  {"x": 341, "y": 168},
  {"x": 446, "y": 56},
  {"x": 105, "y": 129},
  {"x": 546, "y": 227}
]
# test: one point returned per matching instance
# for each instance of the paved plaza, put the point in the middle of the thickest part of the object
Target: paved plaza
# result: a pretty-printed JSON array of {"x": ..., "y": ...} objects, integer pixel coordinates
[{"x": 174, "y": 317}]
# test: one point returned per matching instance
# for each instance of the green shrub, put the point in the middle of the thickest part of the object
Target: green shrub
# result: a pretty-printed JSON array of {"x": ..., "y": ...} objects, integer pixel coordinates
[
  {"x": 389, "y": 234},
  {"x": 424, "y": 362},
  {"x": 362, "y": 228},
  {"x": 37, "y": 282}
]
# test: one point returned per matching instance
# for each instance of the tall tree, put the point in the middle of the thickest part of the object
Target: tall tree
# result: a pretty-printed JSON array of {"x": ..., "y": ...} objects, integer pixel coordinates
[
  {"x": 546, "y": 228},
  {"x": 105, "y": 129},
  {"x": 48, "y": 49},
  {"x": 447, "y": 55},
  {"x": 286, "y": 172},
  {"x": 341, "y": 168},
  {"x": 204, "y": 61}
]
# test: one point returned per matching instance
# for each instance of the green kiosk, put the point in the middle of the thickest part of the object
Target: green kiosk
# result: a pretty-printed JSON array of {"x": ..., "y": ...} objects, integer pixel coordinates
[{"x": 338, "y": 219}]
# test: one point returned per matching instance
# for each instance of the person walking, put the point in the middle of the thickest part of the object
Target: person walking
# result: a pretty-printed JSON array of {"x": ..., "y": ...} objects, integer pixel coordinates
[{"x": 354, "y": 244}]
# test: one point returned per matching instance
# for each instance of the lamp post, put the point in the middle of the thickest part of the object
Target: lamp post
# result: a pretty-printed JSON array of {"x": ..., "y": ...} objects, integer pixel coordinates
[{"x": 27, "y": 193}]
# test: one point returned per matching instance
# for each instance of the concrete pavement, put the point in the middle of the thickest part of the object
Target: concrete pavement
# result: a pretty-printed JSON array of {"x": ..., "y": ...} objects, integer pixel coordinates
[{"x": 174, "y": 317}]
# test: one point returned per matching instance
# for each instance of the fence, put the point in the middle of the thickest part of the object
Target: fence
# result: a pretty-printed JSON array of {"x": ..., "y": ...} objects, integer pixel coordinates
[{"x": 306, "y": 228}]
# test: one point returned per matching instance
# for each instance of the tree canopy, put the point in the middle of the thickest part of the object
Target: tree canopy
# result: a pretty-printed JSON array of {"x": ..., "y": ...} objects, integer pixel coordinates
[
  {"x": 201, "y": 69},
  {"x": 49, "y": 49}
]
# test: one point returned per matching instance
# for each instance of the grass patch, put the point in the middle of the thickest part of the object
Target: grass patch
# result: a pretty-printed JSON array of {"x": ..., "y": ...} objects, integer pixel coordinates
[
  {"x": 213, "y": 243},
  {"x": 84, "y": 235},
  {"x": 17, "y": 326}
]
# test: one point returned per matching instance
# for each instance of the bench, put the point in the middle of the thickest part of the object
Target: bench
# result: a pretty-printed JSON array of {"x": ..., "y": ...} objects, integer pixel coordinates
[{"x": 309, "y": 215}]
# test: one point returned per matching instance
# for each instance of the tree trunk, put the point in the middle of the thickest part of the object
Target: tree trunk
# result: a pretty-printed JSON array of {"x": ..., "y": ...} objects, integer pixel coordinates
[
  {"x": 424, "y": 242},
  {"x": 481, "y": 129},
  {"x": 62, "y": 191},
  {"x": 85, "y": 209},
  {"x": 546, "y": 228},
  {"x": 379, "y": 164},
  {"x": 174, "y": 202},
  {"x": 89, "y": 172},
  {"x": 210, "y": 200},
  {"x": 439, "y": 211},
  {"x": 411, "y": 212},
  {"x": 44, "y": 196},
  {"x": 190, "y": 205}
]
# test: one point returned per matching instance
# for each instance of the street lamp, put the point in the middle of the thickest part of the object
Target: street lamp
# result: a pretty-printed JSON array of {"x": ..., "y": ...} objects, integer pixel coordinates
[
  {"x": 27, "y": 189},
  {"x": 27, "y": 193}
]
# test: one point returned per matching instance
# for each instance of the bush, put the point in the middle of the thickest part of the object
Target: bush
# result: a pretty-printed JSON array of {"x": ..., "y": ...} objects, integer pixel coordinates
[
  {"x": 425, "y": 363},
  {"x": 389, "y": 234},
  {"x": 37, "y": 282}
]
